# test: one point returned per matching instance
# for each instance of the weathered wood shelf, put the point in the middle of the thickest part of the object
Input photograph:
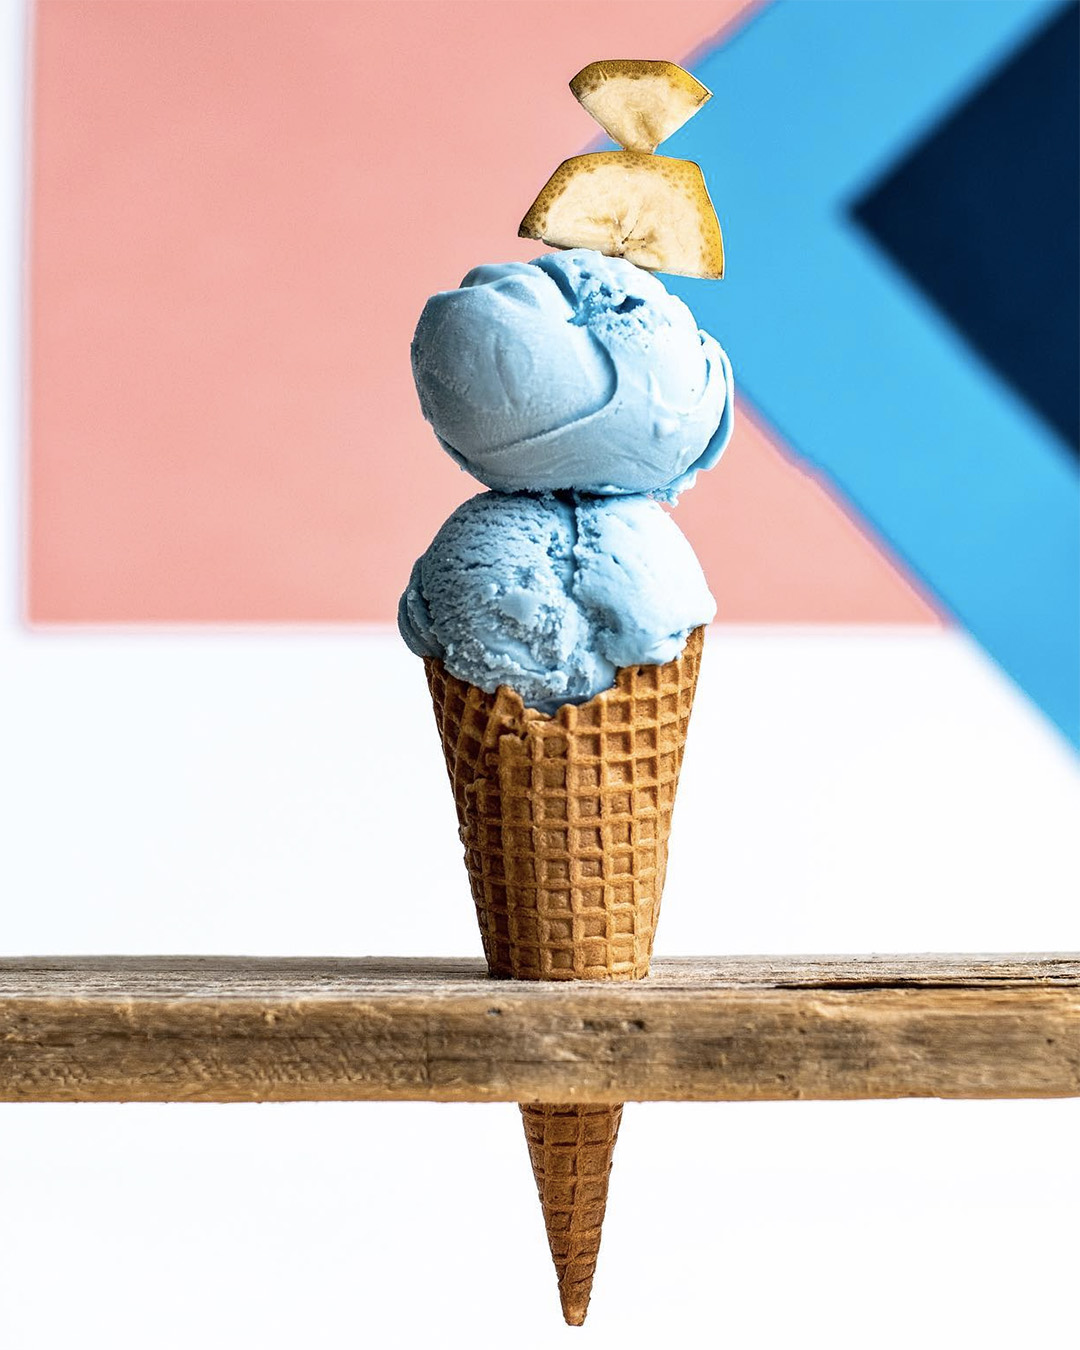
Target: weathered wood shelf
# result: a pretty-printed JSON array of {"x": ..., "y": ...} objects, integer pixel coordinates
[{"x": 232, "y": 1029}]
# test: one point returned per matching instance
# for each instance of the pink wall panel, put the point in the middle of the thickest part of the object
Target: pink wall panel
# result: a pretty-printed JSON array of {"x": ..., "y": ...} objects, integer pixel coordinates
[{"x": 238, "y": 210}]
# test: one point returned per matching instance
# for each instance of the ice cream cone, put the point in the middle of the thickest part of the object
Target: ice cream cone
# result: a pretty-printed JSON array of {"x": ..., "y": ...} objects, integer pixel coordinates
[
  {"x": 565, "y": 821},
  {"x": 566, "y": 818}
]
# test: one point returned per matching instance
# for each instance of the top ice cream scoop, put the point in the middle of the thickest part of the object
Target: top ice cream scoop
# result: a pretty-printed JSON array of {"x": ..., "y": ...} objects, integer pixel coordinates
[{"x": 573, "y": 372}]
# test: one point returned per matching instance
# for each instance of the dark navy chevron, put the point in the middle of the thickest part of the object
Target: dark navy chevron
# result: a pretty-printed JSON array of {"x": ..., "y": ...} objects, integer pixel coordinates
[{"x": 984, "y": 214}]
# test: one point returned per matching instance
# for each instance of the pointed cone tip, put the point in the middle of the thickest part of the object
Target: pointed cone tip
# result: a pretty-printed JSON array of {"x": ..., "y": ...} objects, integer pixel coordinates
[
  {"x": 574, "y": 1308},
  {"x": 570, "y": 1147}
]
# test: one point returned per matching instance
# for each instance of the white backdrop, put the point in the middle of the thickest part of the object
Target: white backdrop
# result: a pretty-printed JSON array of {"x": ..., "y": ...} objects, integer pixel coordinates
[{"x": 282, "y": 792}]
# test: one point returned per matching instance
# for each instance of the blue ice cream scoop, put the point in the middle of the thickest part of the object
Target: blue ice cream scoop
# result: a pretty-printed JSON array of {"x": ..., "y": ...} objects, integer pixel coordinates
[
  {"x": 552, "y": 594},
  {"x": 573, "y": 372}
]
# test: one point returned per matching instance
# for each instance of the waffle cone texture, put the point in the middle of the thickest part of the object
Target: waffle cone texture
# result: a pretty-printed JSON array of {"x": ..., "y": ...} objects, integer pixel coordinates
[
  {"x": 570, "y": 1148},
  {"x": 565, "y": 819}
]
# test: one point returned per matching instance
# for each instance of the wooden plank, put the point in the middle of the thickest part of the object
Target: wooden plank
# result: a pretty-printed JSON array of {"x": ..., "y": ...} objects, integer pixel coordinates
[{"x": 231, "y": 1029}]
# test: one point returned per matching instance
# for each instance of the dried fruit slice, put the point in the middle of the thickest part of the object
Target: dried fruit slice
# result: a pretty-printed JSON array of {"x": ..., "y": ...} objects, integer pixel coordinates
[
  {"x": 651, "y": 210},
  {"x": 639, "y": 103}
]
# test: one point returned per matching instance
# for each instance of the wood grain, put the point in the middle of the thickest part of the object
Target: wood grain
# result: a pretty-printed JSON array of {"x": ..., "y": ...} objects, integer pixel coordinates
[{"x": 230, "y": 1029}]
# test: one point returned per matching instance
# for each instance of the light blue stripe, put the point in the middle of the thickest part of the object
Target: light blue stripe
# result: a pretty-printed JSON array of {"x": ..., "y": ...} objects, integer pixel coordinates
[{"x": 855, "y": 368}]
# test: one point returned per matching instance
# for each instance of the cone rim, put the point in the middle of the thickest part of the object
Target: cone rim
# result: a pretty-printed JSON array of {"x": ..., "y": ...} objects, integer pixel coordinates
[{"x": 514, "y": 705}]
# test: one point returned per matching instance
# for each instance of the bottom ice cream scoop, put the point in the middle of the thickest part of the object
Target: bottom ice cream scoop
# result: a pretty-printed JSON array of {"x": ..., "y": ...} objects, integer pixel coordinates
[{"x": 550, "y": 595}]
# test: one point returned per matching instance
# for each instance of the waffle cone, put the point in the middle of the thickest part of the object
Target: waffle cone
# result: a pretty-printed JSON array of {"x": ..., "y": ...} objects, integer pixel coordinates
[
  {"x": 565, "y": 822},
  {"x": 570, "y": 1148},
  {"x": 565, "y": 819}
]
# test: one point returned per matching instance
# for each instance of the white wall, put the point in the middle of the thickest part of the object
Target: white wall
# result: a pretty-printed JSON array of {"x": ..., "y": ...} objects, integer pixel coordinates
[{"x": 266, "y": 792}]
